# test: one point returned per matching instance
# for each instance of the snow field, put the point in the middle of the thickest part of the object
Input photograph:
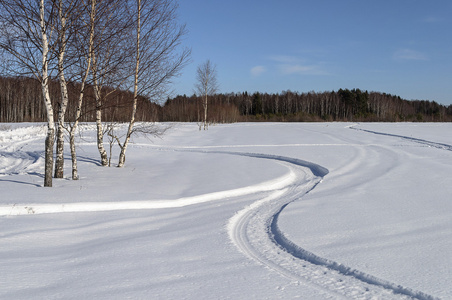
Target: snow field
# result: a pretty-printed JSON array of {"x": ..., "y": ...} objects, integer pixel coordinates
[{"x": 243, "y": 211}]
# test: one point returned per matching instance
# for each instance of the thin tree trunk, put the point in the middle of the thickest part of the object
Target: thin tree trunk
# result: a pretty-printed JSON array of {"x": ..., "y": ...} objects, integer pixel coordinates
[
  {"x": 205, "y": 113},
  {"x": 100, "y": 133},
  {"x": 82, "y": 92},
  {"x": 73, "y": 156},
  {"x": 59, "y": 162},
  {"x": 122, "y": 154},
  {"x": 50, "y": 138},
  {"x": 59, "y": 158},
  {"x": 46, "y": 95}
]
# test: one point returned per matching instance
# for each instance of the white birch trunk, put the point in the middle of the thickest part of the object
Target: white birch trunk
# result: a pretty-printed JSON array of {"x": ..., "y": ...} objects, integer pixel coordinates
[
  {"x": 122, "y": 154},
  {"x": 46, "y": 95},
  {"x": 59, "y": 162},
  {"x": 100, "y": 137},
  {"x": 73, "y": 155},
  {"x": 100, "y": 133},
  {"x": 82, "y": 91},
  {"x": 205, "y": 112}
]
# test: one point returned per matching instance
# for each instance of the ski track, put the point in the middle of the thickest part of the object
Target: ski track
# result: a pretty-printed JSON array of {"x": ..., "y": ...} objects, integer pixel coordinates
[
  {"x": 14, "y": 159},
  {"x": 254, "y": 229},
  {"x": 411, "y": 139}
]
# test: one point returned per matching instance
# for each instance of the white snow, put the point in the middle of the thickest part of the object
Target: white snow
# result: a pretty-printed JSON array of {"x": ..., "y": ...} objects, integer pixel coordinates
[{"x": 241, "y": 211}]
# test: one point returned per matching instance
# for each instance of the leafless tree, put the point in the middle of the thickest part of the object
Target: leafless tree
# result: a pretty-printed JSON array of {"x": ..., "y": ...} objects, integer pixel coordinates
[
  {"x": 68, "y": 14},
  {"x": 39, "y": 34},
  {"x": 100, "y": 51},
  {"x": 157, "y": 59},
  {"x": 110, "y": 56},
  {"x": 84, "y": 39},
  {"x": 207, "y": 85},
  {"x": 27, "y": 37}
]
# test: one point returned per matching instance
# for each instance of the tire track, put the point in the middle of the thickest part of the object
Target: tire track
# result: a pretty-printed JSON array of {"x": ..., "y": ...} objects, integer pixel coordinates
[
  {"x": 440, "y": 146},
  {"x": 254, "y": 230}
]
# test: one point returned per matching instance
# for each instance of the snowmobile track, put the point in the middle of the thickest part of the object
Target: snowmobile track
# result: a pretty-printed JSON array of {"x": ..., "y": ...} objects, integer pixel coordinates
[
  {"x": 254, "y": 230},
  {"x": 427, "y": 143}
]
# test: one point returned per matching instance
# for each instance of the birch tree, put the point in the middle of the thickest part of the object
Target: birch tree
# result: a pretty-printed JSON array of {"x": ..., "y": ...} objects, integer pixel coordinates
[
  {"x": 156, "y": 60},
  {"x": 101, "y": 50},
  {"x": 109, "y": 57},
  {"x": 207, "y": 85},
  {"x": 85, "y": 39},
  {"x": 122, "y": 155},
  {"x": 68, "y": 13},
  {"x": 27, "y": 29},
  {"x": 45, "y": 36},
  {"x": 62, "y": 42}
]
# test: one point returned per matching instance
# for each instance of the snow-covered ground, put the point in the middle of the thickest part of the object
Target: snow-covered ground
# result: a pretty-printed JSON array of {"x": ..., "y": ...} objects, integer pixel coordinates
[{"x": 241, "y": 211}]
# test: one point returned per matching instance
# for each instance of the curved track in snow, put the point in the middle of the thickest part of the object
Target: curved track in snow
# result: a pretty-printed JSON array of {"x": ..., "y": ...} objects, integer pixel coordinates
[{"x": 254, "y": 230}]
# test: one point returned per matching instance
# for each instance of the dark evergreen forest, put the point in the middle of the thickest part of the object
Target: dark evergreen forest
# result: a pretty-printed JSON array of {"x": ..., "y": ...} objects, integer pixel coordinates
[{"x": 21, "y": 101}]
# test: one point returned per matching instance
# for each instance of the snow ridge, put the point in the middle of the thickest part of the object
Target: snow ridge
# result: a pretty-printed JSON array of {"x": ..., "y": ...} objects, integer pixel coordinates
[{"x": 46, "y": 208}]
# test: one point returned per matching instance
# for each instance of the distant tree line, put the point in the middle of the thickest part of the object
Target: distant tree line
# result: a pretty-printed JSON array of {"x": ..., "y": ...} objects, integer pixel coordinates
[
  {"x": 343, "y": 105},
  {"x": 21, "y": 101}
]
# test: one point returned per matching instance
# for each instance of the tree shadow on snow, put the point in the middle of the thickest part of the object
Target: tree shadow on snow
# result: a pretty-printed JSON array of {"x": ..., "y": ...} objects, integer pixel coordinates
[
  {"x": 20, "y": 182},
  {"x": 89, "y": 160}
]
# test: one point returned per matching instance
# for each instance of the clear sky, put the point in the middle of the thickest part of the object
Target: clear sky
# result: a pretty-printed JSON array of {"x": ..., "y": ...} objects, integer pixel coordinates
[{"x": 401, "y": 47}]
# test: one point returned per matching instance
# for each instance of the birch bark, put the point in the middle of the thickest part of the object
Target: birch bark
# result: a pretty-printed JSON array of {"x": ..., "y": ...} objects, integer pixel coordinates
[
  {"x": 49, "y": 142},
  {"x": 122, "y": 154},
  {"x": 78, "y": 112},
  {"x": 100, "y": 133},
  {"x": 59, "y": 162},
  {"x": 205, "y": 109}
]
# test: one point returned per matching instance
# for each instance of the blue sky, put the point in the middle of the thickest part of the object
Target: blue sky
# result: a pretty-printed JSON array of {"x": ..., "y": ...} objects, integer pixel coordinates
[{"x": 401, "y": 47}]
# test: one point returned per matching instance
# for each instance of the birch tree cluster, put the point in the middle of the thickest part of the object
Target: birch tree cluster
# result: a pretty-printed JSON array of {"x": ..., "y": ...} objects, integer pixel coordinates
[{"x": 95, "y": 48}]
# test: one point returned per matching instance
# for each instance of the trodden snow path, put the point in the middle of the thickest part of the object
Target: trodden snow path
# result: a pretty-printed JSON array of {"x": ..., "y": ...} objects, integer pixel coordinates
[{"x": 13, "y": 158}]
